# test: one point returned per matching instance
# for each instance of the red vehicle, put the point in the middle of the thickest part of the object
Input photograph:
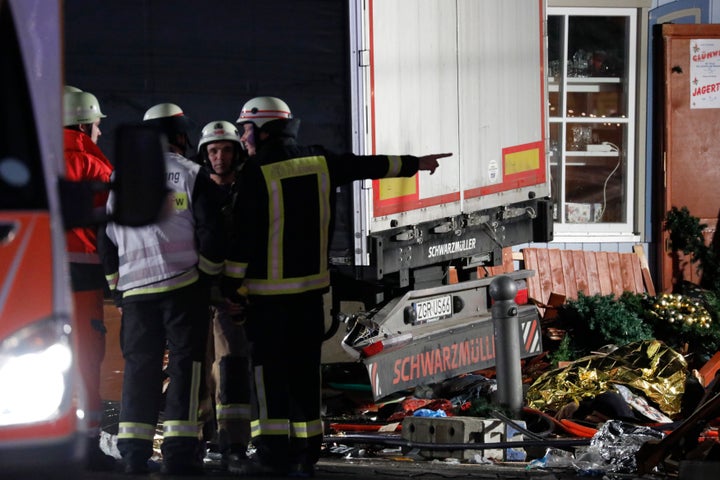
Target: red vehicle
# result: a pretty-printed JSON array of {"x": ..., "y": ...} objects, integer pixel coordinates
[{"x": 41, "y": 392}]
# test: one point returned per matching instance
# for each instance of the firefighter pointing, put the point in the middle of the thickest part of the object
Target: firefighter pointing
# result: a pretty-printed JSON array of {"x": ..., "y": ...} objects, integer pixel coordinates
[{"x": 279, "y": 253}]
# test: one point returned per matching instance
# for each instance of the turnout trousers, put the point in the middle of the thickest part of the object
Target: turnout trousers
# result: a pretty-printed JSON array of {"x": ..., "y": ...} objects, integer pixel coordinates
[
  {"x": 231, "y": 381},
  {"x": 286, "y": 334},
  {"x": 176, "y": 321}
]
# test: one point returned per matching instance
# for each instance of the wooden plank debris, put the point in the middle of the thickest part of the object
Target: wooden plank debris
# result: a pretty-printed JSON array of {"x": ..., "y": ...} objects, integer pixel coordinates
[
  {"x": 645, "y": 269},
  {"x": 568, "y": 272}
]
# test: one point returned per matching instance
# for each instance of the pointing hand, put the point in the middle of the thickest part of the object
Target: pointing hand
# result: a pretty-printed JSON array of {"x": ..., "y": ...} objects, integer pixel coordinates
[{"x": 430, "y": 162}]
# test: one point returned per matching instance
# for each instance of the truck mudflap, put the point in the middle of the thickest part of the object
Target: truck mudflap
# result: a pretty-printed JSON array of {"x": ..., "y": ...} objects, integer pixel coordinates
[{"x": 447, "y": 353}]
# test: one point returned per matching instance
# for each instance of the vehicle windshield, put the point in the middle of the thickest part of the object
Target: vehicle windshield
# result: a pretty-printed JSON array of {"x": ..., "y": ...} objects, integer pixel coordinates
[{"x": 22, "y": 185}]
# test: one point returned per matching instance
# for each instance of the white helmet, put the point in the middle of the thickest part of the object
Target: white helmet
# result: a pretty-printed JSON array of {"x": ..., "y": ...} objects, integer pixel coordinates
[
  {"x": 261, "y": 110},
  {"x": 163, "y": 110},
  {"x": 80, "y": 108},
  {"x": 218, "y": 131},
  {"x": 168, "y": 117},
  {"x": 70, "y": 88}
]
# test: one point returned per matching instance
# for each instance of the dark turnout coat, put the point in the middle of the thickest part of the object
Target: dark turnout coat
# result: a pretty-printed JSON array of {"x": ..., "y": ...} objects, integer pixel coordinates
[{"x": 282, "y": 221}]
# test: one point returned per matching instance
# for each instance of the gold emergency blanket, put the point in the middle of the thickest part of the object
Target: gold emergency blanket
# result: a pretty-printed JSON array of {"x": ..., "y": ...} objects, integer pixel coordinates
[{"x": 648, "y": 367}]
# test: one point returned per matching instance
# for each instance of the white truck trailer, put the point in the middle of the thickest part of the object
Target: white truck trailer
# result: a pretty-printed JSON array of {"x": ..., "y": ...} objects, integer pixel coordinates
[{"x": 468, "y": 77}]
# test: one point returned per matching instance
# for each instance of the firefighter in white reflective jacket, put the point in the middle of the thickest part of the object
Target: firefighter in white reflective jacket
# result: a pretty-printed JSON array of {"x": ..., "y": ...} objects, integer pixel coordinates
[{"x": 160, "y": 275}]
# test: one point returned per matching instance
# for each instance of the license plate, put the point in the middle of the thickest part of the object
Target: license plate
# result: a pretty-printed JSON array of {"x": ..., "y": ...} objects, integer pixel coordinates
[{"x": 433, "y": 309}]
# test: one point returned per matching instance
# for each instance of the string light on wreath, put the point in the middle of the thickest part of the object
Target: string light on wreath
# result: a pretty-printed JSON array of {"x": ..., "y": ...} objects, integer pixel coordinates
[{"x": 678, "y": 308}]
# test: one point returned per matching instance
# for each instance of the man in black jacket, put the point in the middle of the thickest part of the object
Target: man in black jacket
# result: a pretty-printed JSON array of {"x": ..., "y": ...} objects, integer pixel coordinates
[{"x": 221, "y": 153}]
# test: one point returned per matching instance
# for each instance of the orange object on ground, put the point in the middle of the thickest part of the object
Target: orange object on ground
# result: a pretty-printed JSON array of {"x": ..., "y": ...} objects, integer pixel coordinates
[
  {"x": 577, "y": 429},
  {"x": 567, "y": 426},
  {"x": 707, "y": 372}
]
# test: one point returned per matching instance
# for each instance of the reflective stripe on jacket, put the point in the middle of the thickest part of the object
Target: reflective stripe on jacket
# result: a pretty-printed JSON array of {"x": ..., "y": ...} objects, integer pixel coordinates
[
  {"x": 284, "y": 212},
  {"x": 169, "y": 254}
]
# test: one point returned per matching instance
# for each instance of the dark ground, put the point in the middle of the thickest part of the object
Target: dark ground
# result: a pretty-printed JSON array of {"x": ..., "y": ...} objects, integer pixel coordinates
[{"x": 397, "y": 466}]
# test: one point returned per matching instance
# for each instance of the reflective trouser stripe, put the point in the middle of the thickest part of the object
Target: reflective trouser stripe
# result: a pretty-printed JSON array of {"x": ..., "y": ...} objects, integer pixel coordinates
[
  {"x": 181, "y": 428},
  {"x": 264, "y": 425},
  {"x": 269, "y": 427},
  {"x": 309, "y": 429},
  {"x": 141, "y": 431},
  {"x": 283, "y": 427},
  {"x": 233, "y": 411}
]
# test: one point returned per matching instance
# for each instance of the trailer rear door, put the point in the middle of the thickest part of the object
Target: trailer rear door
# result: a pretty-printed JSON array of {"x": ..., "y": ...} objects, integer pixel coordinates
[{"x": 462, "y": 76}]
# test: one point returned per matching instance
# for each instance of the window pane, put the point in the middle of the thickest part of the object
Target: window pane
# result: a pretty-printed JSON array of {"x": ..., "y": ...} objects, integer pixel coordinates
[
  {"x": 595, "y": 173},
  {"x": 590, "y": 117},
  {"x": 596, "y": 46},
  {"x": 21, "y": 175},
  {"x": 596, "y": 98},
  {"x": 556, "y": 26}
]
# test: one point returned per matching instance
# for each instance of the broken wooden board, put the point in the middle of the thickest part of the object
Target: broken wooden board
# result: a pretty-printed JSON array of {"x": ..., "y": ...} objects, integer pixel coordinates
[{"x": 567, "y": 272}]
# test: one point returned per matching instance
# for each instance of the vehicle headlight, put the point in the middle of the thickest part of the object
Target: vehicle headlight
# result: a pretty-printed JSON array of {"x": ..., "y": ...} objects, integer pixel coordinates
[{"x": 35, "y": 367}]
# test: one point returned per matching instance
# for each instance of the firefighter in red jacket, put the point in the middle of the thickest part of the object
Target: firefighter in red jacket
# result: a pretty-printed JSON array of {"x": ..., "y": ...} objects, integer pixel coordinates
[
  {"x": 279, "y": 253},
  {"x": 85, "y": 161}
]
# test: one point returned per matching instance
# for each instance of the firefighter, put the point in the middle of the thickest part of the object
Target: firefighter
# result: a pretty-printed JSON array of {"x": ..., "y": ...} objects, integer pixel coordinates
[
  {"x": 279, "y": 254},
  {"x": 85, "y": 161},
  {"x": 160, "y": 275},
  {"x": 221, "y": 152}
]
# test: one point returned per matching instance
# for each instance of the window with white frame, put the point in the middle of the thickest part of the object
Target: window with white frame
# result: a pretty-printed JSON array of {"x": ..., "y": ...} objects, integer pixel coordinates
[{"x": 592, "y": 119}]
